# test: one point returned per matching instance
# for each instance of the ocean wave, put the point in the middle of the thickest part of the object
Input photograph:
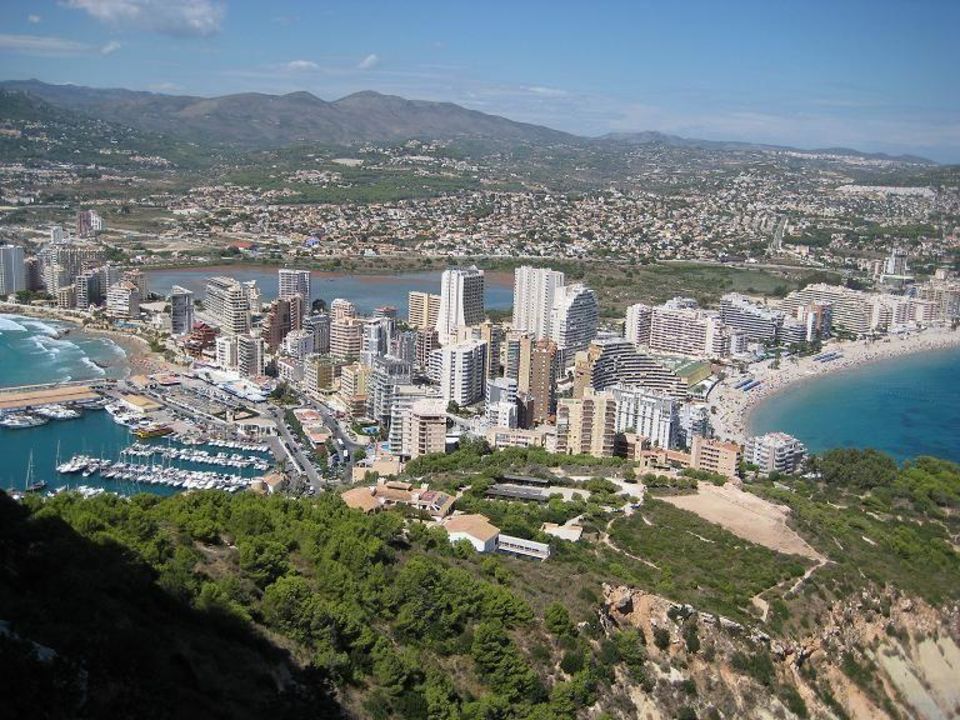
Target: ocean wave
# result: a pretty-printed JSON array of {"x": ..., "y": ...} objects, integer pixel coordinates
[
  {"x": 8, "y": 324},
  {"x": 91, "y": 364},
  {"x": 34, "y": 324}
]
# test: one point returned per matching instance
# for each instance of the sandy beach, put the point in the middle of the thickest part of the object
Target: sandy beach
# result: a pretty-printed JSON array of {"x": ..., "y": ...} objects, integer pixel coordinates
[{"x": 731, "y": 408}]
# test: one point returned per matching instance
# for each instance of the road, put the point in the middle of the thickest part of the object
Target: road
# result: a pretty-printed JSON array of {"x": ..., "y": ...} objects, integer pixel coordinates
[
  {"x": 292, "y": 446},
  {"x": 333, "y": 425}
]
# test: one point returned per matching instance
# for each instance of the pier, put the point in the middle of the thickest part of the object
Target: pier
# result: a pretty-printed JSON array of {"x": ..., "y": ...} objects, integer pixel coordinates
[{"x": 26, "y": 396}]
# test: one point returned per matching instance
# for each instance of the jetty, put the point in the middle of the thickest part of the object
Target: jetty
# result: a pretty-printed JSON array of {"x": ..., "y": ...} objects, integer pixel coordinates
[{"x": 26, "y": 396}]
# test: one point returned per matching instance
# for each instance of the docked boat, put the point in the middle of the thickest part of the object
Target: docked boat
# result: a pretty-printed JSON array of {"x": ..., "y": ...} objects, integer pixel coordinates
[
  {"x": 57, "y": 412},
  {"x": 152, "y": 431},
  {"x": 22, "y": 420}
]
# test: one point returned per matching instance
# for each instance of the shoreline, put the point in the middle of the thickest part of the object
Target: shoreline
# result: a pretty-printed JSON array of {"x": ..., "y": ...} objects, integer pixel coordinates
[
  {"x": 731, "y": 410},
  {"x": 138, "y": 358}
]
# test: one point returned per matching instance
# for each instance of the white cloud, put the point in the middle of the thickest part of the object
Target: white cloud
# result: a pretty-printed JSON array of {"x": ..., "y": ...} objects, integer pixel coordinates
[
  {"x": 200, "y": 18},
  {"x": 369, "y": 62},
  {"x": 111, "y": 47},
  {"x": 33, "y": 19},
  {"x": 45, "y": 45},
  {"x": 301, "y": 66},
  {"x": 546, "y": 91},
  {"x": 164, "y": 87}
]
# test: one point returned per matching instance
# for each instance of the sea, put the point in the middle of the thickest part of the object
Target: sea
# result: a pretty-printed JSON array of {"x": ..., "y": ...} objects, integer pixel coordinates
[
  {"x": 367, "y": 292},
  {"x": 905, "y": 406}
]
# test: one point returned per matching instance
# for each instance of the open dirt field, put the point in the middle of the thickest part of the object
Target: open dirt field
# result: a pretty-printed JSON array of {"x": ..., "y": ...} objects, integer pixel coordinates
[{"x": 746, "y": 516}]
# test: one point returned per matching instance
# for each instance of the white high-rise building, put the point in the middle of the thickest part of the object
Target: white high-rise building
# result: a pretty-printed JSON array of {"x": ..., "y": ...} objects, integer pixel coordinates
[
  {"x": 181, "y": 310},
  {"x": 423, "y": 309},
  {"x": 227, "y": 303},
  {"x": 13, "y": 270},
  {"x": 461, "y": 301},
  {"x": 227, "y": 351},
  {"x": 299, "y": 343},
  {"x": 649, "y": 414},
  {"x": 460, "y": 370},
  {"x": 295, "y": 285},
  {"x": 534, "y": 290},
  {"x": 249, "y": 354},
  {"x": 342, "y": 309},
  {"x": 676, "y": 328},
  {"x": 123, "y": 300},
  {"x": 775, "y": 452},
  {"x": 573, "y": 319},
  {"x": 319, "y": 325},
  {"x": 637, "y": 326}
]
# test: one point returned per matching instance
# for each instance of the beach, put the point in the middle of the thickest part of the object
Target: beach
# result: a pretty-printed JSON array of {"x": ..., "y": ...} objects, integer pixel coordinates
[{"x": 731, "y": 408}]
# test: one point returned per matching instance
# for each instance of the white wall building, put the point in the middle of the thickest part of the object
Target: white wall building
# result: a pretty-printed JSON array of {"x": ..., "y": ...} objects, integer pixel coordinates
[
  {"x": 250, "y": 355},
  {"x": 228, "y": 305},
  {"x": 534, "y": 290},
  {"x": 649, "y": 414},
  {"x": 573, "y": 319},
  {"x": 460, "y": 370},
  {"x": 461, "y": 301},
  {"x": 775, "y": 452},
  {"x": 13, "y": 271}
]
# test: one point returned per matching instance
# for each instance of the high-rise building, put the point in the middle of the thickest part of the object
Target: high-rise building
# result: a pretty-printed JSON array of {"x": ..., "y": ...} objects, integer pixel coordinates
[
  {"x": 377, "y": 333},
  {"x": 319, "y": 372},
  {"x": 226, "y": 303},
  {"x": 341, "y": 309},
  {"x": 461, "y": 301},
  {"x": 346, "y": 337},
  {"x": 298, "y": 343},
  {"x": 637, "y": 326},
  {"x": 294, "y": 283},
  {"x": 250, "y": 355},
  {"x": 715, "y": 456},
  {"x": 541, "y": 384},
  {"x": 573, "y": 319},
  {"x": 676, "y": 328},
  {"x": 386, "y": 374},
  {"x": 425, "y": 342},
  {"x": 34, "y": 270},
  {"x": 614, "y": 360},
  {"x": 277, "y": 323},
  {"x": 647, "y": 413},
  {"x": 123, "y": 300},
  {"x": 851, "y": 310},
  {"x": 423, "y": 309},
  {"x": 755, "y": 321},
  {"x": 460, "y": 369},
  {"x": 89, "y": 223},
  {"x": 424, "y": 429},
  {"x": 181, "y": 310},
  {"x": 13, "y": 270},
  {"x": 775, "y": 452},
  {"x": 353, "y": 389},
  {"x": 319, "y": 325},
  {"x": 227, "y": 351},
  {"x": 534, "y": 290},
  {"x": 501, "y": 402},
  {"x": 587, "y": 425},
  {"x": 404, "y": 396},
  {"x": 89, "y": 288}
]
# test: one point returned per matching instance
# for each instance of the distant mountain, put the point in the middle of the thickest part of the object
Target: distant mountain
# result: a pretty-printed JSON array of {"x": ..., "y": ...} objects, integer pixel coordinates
[
  {"x": 652, "y": 137},
  {"x": 257, "y": 120}
]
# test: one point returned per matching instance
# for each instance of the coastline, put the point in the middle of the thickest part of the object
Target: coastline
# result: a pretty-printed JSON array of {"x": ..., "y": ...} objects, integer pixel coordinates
[
  {"x": 138, "y": 358},
  {"x": 731, "y": 409}
]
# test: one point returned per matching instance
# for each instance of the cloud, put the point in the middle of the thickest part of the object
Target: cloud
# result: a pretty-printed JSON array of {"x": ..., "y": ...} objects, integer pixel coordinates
[
  {"x": 546, "y": 91},
  {"x": 369, "y": 62},
  {"x": 200, "y": 18},
  {"x": 164, "y": 87},
  {"x": 34, "y": 19},
  {"x": 301, "y": 66},
  {"x": 52, "y": 46}
]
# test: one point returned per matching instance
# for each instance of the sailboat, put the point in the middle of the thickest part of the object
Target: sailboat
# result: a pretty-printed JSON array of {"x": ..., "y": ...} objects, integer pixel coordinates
[{"x": 29, "y": 483}]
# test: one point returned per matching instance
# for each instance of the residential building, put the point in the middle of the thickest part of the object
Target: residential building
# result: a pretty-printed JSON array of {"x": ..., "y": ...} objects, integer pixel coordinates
[
  {"x": 423, "y": 309},
  {"x": 676, "y": 328},
  {"x": 226, "y": 303},
  {"x": 460, "y": 370},
  {"x": 319, "y": 372},
  {"x": 647, "y": 413},
  {"x": 123, "y": 301},
  {"x": 637, "y": 326},
  {"x": 461, "y": 301},
  {"x": 534, "y": 290},
  {"x": 277, "y": 323},
  {"x": 227, "y": 351},
  {"x": 295, "y": 283},
  {"x": 298, "y": 344},
  {"x": 13, "y": 270},
  {"x": 424, "y": 429},
  {"x": 587, "y": 425},
  {"x": 425, "y": 342},
  {"x": 404, "y": 396},
  {"x": 89, "y": 223},
  {"x": 757, "y": 322},
  {"x": 475, "y": 529},
  {"x": 341, "y": 309},
  {"x": 319, "y": 325},
  {"x": 775, "y": 452},
  {"x": 250, "y": 355},
  {"x": 181, "y": 311},
  {"x": 715, "y": 456},
  {"x": 346, "y": 337},
  {"x": 613, "y": 360},
  {"x": 541, "y": 381},
  {"x": 573, "y": 320},
  {"x": 386, "y": 374}
]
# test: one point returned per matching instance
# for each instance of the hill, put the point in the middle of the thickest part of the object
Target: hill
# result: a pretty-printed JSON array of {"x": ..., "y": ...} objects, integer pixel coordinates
[{"x": 257, "y": 120}]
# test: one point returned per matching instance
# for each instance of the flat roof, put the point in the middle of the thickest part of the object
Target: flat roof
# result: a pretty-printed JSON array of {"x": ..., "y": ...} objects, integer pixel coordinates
[{"x": 49, "y": 396}]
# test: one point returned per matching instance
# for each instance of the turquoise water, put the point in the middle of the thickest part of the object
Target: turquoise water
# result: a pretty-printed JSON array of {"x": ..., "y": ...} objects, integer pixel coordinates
[
  {"x": 365, "y": 291},
  {"x": 905, "y": 406},
  {"x": 31, "y": 352},
  {"x": 36, "y": 351}
]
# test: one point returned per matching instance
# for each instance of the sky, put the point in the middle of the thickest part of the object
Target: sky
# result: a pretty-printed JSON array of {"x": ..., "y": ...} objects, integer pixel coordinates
[{"x": 876, "y": 75}]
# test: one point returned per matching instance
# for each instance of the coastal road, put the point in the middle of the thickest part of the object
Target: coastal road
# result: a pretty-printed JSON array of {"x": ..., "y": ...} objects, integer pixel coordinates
[
  {"x": 293, "y": 445},
  {"x": 332, "y": 424}
]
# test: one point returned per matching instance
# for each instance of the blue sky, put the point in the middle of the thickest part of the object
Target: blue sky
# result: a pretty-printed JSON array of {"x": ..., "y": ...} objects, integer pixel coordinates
[{"x": 879, "y": 75}]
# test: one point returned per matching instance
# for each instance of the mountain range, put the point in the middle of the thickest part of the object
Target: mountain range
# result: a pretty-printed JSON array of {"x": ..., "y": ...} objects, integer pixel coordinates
[{"x": 258, "y": 120}]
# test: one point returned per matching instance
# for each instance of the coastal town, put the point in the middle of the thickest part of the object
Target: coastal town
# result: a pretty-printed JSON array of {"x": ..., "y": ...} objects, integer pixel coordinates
[{"x": 314, "y": 396}]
